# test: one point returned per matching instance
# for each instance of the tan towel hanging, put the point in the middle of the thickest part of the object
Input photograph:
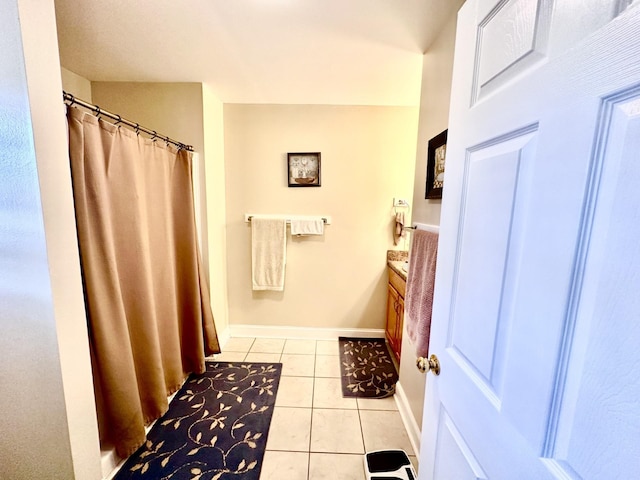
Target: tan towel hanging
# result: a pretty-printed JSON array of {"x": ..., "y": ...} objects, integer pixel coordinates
[{"x": 398, "y": 230}]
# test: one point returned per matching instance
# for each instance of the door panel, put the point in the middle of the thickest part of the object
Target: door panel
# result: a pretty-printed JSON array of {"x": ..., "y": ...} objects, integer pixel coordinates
[
  {"x": 593, "y": 15},
  {"x": 596, "y": 379},
  {"x": 535, "y": 316},
  {"x": 453, "y": 447},
  {"x": 511, "y": 37},
  {"x": 492, "y": 195}
]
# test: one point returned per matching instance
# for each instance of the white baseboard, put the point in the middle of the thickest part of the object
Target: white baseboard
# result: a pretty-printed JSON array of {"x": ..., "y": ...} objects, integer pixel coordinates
[
  {"x": 111, "y": 463},
  {"x": 223, "y": 336},
  {"x": 314, "y": 333},
  {"x": 410, "y": 424}
]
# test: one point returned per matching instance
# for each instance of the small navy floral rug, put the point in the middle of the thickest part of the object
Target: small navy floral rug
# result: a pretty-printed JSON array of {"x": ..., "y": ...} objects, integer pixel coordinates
[
  {"x": 366, "y": 368},
  {"x": 215, "y": 429}
]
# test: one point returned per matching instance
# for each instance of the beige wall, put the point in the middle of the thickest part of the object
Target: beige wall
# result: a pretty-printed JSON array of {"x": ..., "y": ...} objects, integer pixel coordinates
[
  {"x": 47, "y": 412},
  {"x": 437, "y": 69},
  {"x": 338, "y": 280},
  {"x": 76, "y": 85},
  {"x": 173, "y": 109},
  {"x": 434, "y": 117}
]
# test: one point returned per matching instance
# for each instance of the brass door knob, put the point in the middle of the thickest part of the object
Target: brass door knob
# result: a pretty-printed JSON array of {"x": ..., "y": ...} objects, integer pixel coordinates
[{"x": 425, "y": 364}]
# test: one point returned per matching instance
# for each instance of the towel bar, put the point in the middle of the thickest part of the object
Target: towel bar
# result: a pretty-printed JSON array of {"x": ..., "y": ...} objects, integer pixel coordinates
[
  {"x": 423, "y": 226},
  {"x": 325, "y": 219}
]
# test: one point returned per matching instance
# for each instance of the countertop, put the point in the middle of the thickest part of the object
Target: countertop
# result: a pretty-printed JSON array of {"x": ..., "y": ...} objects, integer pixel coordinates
[{"x": 396, "y": 260}]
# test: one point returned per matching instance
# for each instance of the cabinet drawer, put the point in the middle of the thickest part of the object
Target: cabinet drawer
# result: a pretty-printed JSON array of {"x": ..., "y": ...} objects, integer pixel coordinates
[{"x": 397, "y": 281}]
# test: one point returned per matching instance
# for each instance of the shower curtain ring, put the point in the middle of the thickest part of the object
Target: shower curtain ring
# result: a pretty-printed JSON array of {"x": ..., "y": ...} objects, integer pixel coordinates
[
  {"x": 119, "y": 120},
  {"x": 137, "y": 129},
  {"x": 98, "y": 112},
  {"x": 154, "y": 136}
]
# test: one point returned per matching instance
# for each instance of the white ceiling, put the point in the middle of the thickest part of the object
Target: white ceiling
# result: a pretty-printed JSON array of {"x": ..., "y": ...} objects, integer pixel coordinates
[{"x": 343, "y": 52}]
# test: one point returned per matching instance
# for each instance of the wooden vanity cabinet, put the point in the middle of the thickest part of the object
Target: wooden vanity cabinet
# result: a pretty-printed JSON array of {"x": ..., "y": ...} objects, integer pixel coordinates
[{"x": 395, "y": 312}]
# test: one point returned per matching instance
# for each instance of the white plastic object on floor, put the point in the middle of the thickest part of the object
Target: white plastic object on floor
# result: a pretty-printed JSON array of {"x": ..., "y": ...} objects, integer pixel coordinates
[{"x": 388, "y": 465}]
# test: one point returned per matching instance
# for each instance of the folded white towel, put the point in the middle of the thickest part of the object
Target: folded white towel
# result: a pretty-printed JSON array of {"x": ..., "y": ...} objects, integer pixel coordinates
[
  {"x": 268, "y": 253},
  {"x": 307, "y": 226}
]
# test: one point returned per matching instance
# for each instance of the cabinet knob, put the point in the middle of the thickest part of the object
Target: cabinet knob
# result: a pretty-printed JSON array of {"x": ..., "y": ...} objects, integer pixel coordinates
[{"x": 429, "y": 364}]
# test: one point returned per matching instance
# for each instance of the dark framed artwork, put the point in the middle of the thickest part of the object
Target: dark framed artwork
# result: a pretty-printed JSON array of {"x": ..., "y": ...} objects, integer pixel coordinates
[
  {"x": 303, "y": 169},
  {"x": 436, "y": 155}
]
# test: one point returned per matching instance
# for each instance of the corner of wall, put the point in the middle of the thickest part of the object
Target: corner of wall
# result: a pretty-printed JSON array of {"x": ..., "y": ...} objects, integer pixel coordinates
[
  {"x": 214, "y": 169},
  {"x": 437, "y": 71},
  {"x": 76, "y": 85},
  {"x": 43, "y": 80}
]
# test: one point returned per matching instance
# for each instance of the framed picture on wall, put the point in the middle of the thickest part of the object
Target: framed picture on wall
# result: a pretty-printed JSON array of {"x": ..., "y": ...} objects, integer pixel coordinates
[
  {"x": 303, "y": 169},
  {"x": 436, "y": 155}
]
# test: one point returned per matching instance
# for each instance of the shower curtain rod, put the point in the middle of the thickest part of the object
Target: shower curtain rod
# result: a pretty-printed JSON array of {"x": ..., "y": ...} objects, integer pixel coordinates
[{"x": 67, "y": 97}]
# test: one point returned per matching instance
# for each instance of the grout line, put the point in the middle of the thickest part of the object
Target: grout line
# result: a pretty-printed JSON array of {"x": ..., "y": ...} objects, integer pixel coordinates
[
  {"x": 313, "y": 407},
  {"x": 313, "y": 393},
  {"x": 364, "y": 446}
]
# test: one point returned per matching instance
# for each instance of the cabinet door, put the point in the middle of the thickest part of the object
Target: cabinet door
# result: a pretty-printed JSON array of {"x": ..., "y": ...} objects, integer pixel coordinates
[
  {"x": 393, "y": 302},
  {"x": 399, "y": 327}
]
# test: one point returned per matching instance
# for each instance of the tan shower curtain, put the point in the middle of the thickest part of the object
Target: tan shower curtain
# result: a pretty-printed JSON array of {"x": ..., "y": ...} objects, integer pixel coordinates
[{"x": 150, "y": 320}]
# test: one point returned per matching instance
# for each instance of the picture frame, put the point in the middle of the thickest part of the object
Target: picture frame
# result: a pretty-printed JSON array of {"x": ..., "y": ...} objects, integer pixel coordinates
[
  {"x": 303, "y": 169},
  {"x": 436, "y": 157}
]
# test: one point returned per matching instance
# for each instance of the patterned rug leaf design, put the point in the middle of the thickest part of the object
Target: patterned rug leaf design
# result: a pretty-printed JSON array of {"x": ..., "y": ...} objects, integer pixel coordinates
[
  {"x": 366, "y": 368},
  {"x": 215, "y": 429}
]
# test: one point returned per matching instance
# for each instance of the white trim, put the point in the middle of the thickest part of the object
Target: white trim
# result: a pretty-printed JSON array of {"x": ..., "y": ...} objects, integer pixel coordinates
[
  {"x": 313, "y": 333},
  {"x": 411, "y": 426},
  {"x": 110, "y": 463},
  {"x": 223, "y": 337}
]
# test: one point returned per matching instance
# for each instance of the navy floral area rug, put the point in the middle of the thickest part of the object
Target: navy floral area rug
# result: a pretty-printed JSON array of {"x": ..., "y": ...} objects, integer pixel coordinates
[
  {"x": 215, "y": 429},
  {"x": 366, "y": 368}
]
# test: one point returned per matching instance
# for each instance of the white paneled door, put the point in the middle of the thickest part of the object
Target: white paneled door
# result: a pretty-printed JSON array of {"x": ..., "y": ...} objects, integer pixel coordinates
[{"x": 536, "y": 317}]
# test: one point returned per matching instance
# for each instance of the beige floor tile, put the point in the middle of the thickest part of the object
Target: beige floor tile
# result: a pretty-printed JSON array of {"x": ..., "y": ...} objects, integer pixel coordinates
[
  {"x": 285, "y": 466},
  {"x": 327, "y": 347},
  {"x": 387, "y": 403},
  {"x": 238, "y": 344},
  {"x": 327, "y": 366},
  {"x": 294, "y": 365},
  {"x": 384, "y": 430},
  {"x": 290, "y": 429},
  {"x": 329, "y": 466},
  {"x": 302, "y": 347},
  {"x": 263, "y": 357},
  {"x": 228, "y": 357},
  {"x": 295, "y": 392},
  {"x": 336, "y": 431},
  {"x": 267, "y": 345},
  {"x": 327, "y": 393}
]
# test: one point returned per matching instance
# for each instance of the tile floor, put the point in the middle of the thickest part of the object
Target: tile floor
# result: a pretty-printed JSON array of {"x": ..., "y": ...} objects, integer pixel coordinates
[{"x": 315, "y": 433}]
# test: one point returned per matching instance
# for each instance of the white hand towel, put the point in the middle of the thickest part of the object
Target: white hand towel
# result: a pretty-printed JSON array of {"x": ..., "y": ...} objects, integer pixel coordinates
[
  {"x": 268, "y": 253},
  {"x": 307, "y": 226}
]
